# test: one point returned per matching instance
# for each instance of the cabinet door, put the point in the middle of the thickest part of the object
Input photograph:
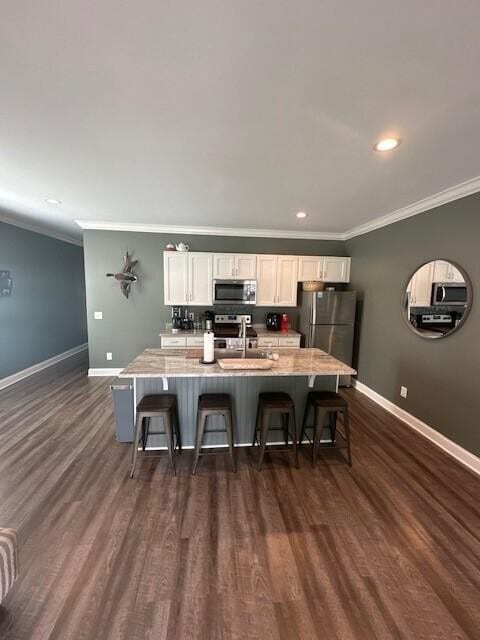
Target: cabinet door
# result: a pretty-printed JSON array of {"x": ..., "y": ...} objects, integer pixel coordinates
[
  {"x": 454, "y": 274},
  {"x": 287, "y": 281},
  {"x": 245, "y": 266},
  {"x": 440, "y": 271},
  {"x": 310, "y": 268},
  {"x": 336, "y": 269},
  {"x": 200, "y": 278},
  {"x": 266, "y": 280},
  {"x": 175, "y": 281},
  {"x": 421, "y": 288},
  {"x": 223, "y": 266}
]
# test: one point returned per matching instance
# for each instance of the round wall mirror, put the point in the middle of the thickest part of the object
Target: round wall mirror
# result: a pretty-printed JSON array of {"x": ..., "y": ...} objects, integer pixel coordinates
[{"x": 437, "y": 299}]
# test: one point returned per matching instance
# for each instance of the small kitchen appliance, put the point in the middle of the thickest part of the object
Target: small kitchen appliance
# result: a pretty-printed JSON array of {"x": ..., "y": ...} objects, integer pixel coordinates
[
  {"x": 447, "y": 293},
  {"x": 234, "y": 292},
  {"x": 284, "y": 322},
  {"x": 176, "y": 319},
  {"x": 273, "y": 321}
]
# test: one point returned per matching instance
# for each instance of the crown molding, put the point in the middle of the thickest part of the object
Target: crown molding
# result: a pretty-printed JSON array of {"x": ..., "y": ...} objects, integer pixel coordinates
[
  {"x": 38, "y": 228},
  {"x": 461, "y": 190},
  {"x": 208, "y": 231}
]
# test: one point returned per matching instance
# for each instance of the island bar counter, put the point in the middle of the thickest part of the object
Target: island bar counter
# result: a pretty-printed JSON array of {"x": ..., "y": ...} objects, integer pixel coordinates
[{"x": 179, "y": 371}]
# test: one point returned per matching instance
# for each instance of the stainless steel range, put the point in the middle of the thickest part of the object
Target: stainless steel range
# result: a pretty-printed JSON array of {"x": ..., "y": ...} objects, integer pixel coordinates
[{"x": 228, "y": 331}]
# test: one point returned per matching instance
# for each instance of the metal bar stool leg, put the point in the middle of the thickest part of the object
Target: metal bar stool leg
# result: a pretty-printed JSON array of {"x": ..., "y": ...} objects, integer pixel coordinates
[
  {"x": 264, "y": 422},
  {"x": 136, "y": 441},
  {"x": 346, "y": 423},
  {"x": 201, "y": 421},
  {"x": 229, "y": 428},
  {"x": 317, "y": 434},
  {"x": 292, "y": 420},
  {"x": 167, "y": 421},
  {"x": 333, "y": 425},
  {"x": 285, "y": 424},
  {"x": 177, "y": 427},
  {"x": 304, "y": 421},
  {"x": 255, "y": 431}
]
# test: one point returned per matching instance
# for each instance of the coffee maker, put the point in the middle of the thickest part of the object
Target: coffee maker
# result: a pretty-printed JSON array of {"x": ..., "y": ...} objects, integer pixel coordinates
[{"x": 176, "y": 319}]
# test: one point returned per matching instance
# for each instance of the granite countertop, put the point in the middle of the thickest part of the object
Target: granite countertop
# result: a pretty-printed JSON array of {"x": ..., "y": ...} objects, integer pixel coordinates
[
  {"x": 261, "y": 330},
  {"x": 184, "y": 363}
]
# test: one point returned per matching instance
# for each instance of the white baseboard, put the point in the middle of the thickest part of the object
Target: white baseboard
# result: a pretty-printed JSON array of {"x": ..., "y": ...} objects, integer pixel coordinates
[
  {"x": 452, "y": 448},
  {"x": 108, "y": 372},
  {"x": 25, "y": 373}
]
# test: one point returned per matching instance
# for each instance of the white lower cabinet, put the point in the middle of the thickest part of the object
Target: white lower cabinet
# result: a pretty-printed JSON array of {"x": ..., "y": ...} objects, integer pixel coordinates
[
  {"x": 173, "y": 342},
  {"x": 265, "y": 342},
  {"x": 277, "y": 278},
  {"x": 188, "y": 278}
]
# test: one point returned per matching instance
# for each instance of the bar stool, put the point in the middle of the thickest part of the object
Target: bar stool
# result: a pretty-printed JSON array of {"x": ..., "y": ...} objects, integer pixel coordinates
[
  {"x": 163, "y": 406},
  {"x": 324, "y": 402},
  {"x": 270, "y": 403},
  {"x": 213, "y": 404}
]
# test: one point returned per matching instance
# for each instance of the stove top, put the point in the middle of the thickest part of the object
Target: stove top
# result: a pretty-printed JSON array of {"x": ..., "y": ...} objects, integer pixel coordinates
[{"x": 231, "y": 331}]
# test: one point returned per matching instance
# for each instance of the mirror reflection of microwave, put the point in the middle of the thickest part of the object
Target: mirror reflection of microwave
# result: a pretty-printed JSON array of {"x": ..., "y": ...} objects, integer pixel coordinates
[
  {"x": 234, "y": 291},
  {"x": 449, "y": 293}
]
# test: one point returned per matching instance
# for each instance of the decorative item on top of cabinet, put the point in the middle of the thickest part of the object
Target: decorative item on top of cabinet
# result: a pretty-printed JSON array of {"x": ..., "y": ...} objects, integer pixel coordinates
[
  {"x": 324, "y": 268},
  {"x": 125, "y": 277},
  {"x": 188, "y": 278},
  {"x": 277, "y": 281}
]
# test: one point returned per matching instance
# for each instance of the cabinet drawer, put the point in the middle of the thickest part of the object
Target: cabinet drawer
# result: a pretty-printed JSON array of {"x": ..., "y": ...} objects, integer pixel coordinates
[
  {"x": 195, "y": 342},
  {"x": 168, "y": 342},
  {"x": 289, "y": 342},
  {"x": 266, "y": 341}
]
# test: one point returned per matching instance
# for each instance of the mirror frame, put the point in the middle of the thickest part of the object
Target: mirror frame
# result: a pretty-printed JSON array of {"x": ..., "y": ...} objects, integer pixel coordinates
[{"x": 468, "y": 284}]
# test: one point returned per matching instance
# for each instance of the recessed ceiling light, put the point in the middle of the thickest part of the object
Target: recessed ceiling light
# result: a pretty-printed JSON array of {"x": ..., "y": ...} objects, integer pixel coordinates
[
  {"x": 53, "y": 201},
  {"x": 387, "y": 144},
  {"x": 301, "y": 214}
]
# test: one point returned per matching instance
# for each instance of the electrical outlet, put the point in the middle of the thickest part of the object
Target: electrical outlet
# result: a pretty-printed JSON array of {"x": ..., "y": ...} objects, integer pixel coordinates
[
  {"x": 403, "y": 392},
  {"x": 98, "y": 315},
  {"x": 109, "y": 355}
]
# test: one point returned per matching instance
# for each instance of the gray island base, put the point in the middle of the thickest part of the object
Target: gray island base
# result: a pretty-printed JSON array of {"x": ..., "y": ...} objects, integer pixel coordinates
[{"x": 179, "y": 371}]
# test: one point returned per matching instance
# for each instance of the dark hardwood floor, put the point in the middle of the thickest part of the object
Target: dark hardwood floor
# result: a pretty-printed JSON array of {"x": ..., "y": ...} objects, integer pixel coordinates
[{"x": 387, "y": 549}]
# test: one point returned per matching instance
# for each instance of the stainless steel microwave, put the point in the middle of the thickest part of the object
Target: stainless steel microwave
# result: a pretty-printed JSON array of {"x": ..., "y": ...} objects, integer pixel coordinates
[
  {"x": 234, "y": 292},
  {"x": 449, "y": 293}
]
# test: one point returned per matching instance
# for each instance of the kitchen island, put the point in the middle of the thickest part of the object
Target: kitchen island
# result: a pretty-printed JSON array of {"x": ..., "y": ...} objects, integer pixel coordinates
[{"x": 179, "y": 371}]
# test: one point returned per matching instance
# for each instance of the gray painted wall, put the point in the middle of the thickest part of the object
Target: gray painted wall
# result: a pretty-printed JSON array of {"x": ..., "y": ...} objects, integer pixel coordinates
[
  {"x": 45, "y": 315},
  {"x": 441, "y": 375},
  {"x": 129, "y": 326}
]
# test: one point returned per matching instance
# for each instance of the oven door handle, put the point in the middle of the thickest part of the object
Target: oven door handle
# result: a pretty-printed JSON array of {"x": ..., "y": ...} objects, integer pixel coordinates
[{"x": 444, "y": 293}]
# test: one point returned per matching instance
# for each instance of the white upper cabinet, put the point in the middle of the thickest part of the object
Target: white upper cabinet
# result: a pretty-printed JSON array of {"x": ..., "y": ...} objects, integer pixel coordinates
[
  {"x": 223, "y": 266},
  {"x": 420, "y": 286},
  {"x": 287, "y": 280},
  {"x": 200, "y": 277},
  {"x": 336, "y": 269},
  {"x": 246, "y": 266},
  {"x": 175, "y": 276},
  {"x": 446, "y": 272},
  {"x": 310, "y": 268},
  {"x": 277, "y": 278},
  {"x": 266, "y": 280},
  {"x": 187, "y": 278},
  {"x": 325, "y": 268},
  {"x": 241, "y": 266}
]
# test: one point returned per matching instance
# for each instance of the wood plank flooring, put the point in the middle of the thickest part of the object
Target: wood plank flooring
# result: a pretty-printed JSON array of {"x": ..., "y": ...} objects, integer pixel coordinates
[{"x": 387, "y": 549}]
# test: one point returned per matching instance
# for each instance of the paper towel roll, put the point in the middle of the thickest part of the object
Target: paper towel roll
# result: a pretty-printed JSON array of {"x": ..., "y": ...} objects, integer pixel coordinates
[{"x": 208, "y": 346}]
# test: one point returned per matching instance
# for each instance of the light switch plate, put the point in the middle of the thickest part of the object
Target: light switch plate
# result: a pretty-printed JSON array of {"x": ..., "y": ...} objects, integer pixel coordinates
[
  {"x": 403, "y": 392},
  {"x": 98, "y": 315},
  {"x": 109, "y": 355}
]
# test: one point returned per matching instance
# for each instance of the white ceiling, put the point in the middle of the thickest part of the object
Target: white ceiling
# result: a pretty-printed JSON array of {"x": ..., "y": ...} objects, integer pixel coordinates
[{"x": 234, "y": 114}]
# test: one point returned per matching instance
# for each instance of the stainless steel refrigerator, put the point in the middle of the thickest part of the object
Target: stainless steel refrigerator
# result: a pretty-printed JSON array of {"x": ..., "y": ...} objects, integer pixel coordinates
[{"x": 326, "y": 321}]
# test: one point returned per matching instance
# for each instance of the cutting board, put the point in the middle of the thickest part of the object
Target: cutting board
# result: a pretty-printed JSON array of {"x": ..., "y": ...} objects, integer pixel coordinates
[{"x": 245, "y": 363}]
